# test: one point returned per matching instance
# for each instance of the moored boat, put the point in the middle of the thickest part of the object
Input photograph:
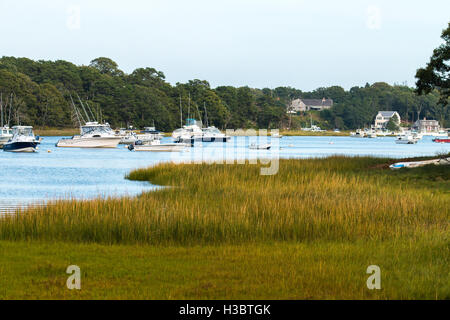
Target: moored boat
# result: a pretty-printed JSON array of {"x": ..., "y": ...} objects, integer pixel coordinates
[
  {"x": 5, "y": 135},
  {"x": 441, "y": 140},
  {"x": 406, "y": 139},
  {"x": 23, "y": 140},
  {"x": 92, "y": 135},
  {"x": 264, "y": 146},
  {"x": 157, "y": 146}
]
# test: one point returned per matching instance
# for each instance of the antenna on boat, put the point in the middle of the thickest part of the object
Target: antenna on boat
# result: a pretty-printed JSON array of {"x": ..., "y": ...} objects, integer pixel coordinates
[
  {"x": 198, "y": 112},
  {"x": 10, "y": 107},
  {"x": 206, "y": 114},
  {"x": 1, "y": 106},
  {"x": 181, "y": 114},
  {"x": 92, "y": 114},
  {"x": 77, "y": 113},
  {"x": 84, "y": 109},
  {"x": 189, "y": 105}
]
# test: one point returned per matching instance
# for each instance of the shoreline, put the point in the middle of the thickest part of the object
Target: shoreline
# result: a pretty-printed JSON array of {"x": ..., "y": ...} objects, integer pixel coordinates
[{"x": 61, "y": 132}]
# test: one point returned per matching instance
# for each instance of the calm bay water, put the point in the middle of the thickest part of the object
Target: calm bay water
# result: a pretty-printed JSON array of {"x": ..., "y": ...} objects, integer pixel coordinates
[{"x": 89, "y": 173}]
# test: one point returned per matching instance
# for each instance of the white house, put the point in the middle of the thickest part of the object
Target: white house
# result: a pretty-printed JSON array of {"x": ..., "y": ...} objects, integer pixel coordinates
[{"x": 383, "y": 117}]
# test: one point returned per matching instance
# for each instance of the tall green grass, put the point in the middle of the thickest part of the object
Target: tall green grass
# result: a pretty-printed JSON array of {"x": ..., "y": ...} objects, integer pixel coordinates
[{"x": 338, "y": 198}]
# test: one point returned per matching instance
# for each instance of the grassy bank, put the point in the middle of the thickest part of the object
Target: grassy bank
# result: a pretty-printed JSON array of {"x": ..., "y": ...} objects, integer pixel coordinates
[
  {"x": 55, "y": 132},
  {"x": 309, "y": 231},
  {"x": 300, "y": 133},
  {"x": 319, "y": 134}
]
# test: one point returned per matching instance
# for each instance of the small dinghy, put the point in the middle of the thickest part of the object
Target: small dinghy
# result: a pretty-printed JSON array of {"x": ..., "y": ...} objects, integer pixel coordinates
[
  {"x": 264, "y": 146},
  {"x": 416, "y": 164},
  {"x": 157, "y": 146}
]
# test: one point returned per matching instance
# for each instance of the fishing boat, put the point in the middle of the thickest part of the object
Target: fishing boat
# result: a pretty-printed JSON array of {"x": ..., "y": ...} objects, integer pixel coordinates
[
  {"x": 212, "y": 134},
  {"x": 92, "y": 135},
  {"x": 23, "y": 140},
  {"x": 406, "y": 139},
  {"x": 157, "y": 146},
  {"x": 264, "y": 146}
]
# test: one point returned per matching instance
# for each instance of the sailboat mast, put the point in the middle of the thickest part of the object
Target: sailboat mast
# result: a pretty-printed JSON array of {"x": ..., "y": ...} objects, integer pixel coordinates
[
  {"x": 10, "y": 108},
  {"x": 206, "y": 114},
  {"x": 189, "y": 106},
  {"x": 181, "y": 114},
  {"x": 1, "y": 106}
]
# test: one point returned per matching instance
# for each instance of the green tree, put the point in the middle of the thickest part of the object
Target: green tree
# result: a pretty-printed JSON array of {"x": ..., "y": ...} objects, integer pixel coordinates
[
  {"x": 436, "y": 74},
  {"x": 392, "y": 124}
]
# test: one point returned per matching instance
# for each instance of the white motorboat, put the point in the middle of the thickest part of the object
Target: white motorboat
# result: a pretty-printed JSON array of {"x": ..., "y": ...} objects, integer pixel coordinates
[
  {"x": 406, "y": 139},
  {"x": 276, "y": 135},
  {"x": 440, "y": 133},
  {"x": 157, "y": 146},
  {"x": 23, "y": 140},
  {"x": 188, "y": 133},
  {"x": 151, "y": 131},
  {"x": 264, "y": 146},
  {"x": 212, "y": 134},
  {"x": 5, "y": 135},
  {"x": 92, "y": 135},
  {"x": 128, "y": 137},
  {"x": 358, "y": 134}
]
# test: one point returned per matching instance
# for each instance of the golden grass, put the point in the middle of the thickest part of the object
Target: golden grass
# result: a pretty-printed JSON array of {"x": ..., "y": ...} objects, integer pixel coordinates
[{"x": 336, "y": 199}]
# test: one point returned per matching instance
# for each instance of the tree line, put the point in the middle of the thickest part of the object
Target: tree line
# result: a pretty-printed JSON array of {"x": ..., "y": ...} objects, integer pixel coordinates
[{"x": 40, "y": 92}]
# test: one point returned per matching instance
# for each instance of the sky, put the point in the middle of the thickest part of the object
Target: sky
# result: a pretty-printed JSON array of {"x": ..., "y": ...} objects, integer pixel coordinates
[{"x": 257, "y": 43}]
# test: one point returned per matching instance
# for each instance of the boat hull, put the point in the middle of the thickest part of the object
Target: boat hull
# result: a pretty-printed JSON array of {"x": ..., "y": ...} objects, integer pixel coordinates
[
  {"x": 172, "y": 147},
  {"x": 441, "y": 140},
  {"x": 405, "y": 142},
  {"x": 20, "y": 147},
  {"x": 89, "y": 143}
]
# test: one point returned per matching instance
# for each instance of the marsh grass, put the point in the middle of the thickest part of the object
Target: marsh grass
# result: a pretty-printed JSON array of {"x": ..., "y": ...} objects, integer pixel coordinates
[
  {"x": 333, "y": 199},
  {"x": 56, "y": 132}
]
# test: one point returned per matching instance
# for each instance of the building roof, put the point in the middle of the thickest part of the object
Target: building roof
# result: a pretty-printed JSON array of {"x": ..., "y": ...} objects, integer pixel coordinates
[
  {"x": 426, "y": 121},
  {"x": 387, "y": 114},
  {"x": 318, "y": 102}
]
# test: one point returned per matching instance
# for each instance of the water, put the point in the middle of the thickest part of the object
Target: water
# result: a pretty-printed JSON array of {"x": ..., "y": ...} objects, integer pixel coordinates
[{"x": 66, "y": 173}]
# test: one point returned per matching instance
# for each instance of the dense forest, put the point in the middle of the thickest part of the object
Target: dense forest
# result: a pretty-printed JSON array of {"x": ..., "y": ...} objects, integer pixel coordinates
[{"x": 40, "y": 94}]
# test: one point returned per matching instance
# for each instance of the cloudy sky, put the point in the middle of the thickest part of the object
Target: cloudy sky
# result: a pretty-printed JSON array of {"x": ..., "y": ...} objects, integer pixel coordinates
[{"x": 259, "y": 43}]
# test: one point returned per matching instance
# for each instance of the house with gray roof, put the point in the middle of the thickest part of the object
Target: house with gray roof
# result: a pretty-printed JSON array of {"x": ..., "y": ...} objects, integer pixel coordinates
[
  {"x": 299, "y": 105},
  {"x": 426, "y": 126}
]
